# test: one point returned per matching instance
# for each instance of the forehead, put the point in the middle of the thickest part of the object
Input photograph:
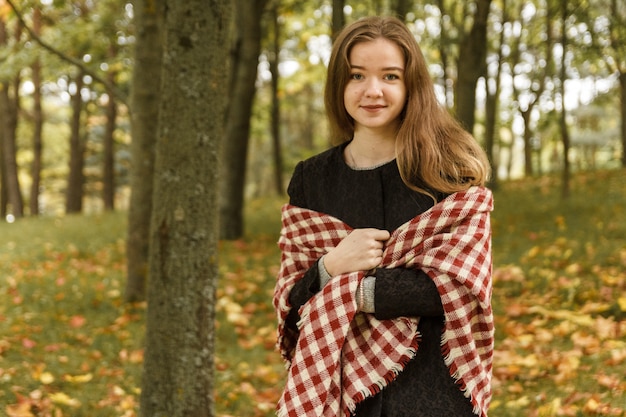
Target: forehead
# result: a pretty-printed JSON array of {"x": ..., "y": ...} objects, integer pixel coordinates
[{"x": 379, "y": 53}]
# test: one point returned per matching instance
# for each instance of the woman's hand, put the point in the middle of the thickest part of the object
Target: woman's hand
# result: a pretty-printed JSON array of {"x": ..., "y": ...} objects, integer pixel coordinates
[{"x": 361, "y": 250}]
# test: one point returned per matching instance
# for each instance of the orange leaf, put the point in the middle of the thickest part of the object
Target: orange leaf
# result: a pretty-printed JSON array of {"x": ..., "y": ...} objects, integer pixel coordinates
[
  {"x": 77, "y": 321},
  {"x": 28, "y": 343}
]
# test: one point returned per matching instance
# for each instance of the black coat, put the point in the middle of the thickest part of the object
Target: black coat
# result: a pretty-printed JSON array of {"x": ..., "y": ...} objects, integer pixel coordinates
[{"x": 378, "y": 198}]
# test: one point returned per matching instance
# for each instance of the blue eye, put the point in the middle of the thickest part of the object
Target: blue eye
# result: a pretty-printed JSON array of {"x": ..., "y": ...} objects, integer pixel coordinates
[
  {"x": 391, "y": 77},
  {"x": 356, "y": 76}
]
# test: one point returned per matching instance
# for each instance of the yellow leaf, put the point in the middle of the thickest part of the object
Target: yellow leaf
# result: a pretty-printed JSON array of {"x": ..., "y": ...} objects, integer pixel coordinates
[
  {"x": 622, "y": 303},
  {"x": 79, "y": 378},
  {"x": 19, "y": 410},
  {"x": 46, "y": 378},
  {"x": 64, "y": 399}
]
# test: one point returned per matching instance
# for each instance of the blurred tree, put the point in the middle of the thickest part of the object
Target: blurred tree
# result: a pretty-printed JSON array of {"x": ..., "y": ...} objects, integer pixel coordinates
[
  {"x": 9, "y": 110},
  {"x": 275, "y": 121},
  {"x": 471, "y": 65},
  {"x": 493, "y": 84},
  {"x": 245, "y": 60},
  {"x": 76, "y": 177},
  {"x": 401, "y": 8},
  {"x": 339, "y": 18},
  {"x": 565, "y": 139},
  {"x": 36, "y": 165},
  {"x": 145, "y": 102},
  {"x": 609, "y": 31},
  {"x": 178, "y": 366},
  {"x": 108, "y": 169},
  {"x": 531, "y": 43}
]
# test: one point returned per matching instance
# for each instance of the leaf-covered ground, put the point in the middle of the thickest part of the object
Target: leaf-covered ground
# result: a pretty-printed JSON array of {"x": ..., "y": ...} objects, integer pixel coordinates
[{"x": 70, "y": 347}]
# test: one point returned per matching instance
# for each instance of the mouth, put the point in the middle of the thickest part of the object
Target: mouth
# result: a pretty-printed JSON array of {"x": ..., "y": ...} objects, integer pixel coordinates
[{"x": 373, "y": 107}]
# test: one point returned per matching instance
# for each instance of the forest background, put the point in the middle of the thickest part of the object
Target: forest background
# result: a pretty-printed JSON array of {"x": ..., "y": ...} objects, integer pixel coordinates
[{"x": 541, "y": 84}]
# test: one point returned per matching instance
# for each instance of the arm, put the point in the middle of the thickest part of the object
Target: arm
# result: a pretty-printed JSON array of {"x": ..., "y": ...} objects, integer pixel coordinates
[
  {"x": 301, "y": 292},
  {"x": 402, "y": 292}
]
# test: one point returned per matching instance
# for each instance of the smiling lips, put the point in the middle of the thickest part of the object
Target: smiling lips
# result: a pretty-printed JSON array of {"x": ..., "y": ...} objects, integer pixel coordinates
[{"x": 373, "y": 107}]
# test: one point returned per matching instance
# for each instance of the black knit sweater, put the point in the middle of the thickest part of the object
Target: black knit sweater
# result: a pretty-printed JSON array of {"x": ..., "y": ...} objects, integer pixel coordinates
[{"x": 378, "y": 198}]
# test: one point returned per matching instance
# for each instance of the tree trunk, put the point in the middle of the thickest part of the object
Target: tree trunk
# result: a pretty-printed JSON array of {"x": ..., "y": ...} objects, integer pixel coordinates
[
  {"x": 235, "y": 145},
  {"x": 9, "y": 107},
  {"x": 492, "y": 103},
  {"x": 36, "y": 165},
  {"x": 4, "y": 195},
  {"x": 471, "y": 66},
  {"x": 565, "y": 186},
  {"x": 401, "y": 8},
  {"x": 178, "y": 364},
  {"x": 76, "y": 179},
  {"x": 8, "y": 110},
  {"x": 527, "y": 136},
  {"x": 276, "y": 123},
  {"x": 622, "y": 83},
  {"x": 443, "y": 53},
  {"x": 146, "y": 81},
  {"x": 108, "y": 171},
  {"x": 339, "y": 18}
]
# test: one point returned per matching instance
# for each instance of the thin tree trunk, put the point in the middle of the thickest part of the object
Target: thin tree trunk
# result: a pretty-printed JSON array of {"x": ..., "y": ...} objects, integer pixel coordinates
[
  {"x": 402, "y": 8},
  {"x": 108, "y": 172},
  {"x": 622, "y": 84},
  {"x": 565, "y": 186},
  {"x": 276, "y": 122},
  {"x": 339, "y": 18},
  {"x": 178, "y": 377},
  {"x": 36, "y": 165},
  {"x": 492, "y": 103},
  {"x": 443, "y": 44},
  {"x": 470, "y": 65},
  {"x": 76, "y": 179},
  {"x": 236, "y": 139},
  {"x": 9, "y": 108},
  {"x": 145, "y": 98},
  {"x": 527, "y": 136}
]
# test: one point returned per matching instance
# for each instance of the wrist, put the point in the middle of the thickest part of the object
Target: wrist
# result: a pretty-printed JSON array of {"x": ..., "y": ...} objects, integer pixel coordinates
[{"x": 328, "y": 265}]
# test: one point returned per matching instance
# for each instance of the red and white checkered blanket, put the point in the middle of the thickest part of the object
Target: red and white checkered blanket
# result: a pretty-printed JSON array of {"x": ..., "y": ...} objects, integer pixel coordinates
[{"x": 338, "y": 357}]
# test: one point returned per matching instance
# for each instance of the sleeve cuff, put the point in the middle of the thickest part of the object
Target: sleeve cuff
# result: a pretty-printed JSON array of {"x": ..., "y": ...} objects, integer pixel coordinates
[
  {"x": 322, "y": 272},
  {"x": 368, "y": 284}
]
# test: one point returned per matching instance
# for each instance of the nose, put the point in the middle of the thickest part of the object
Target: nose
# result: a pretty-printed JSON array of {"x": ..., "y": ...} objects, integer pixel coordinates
[{"x": 373, "y": 89}]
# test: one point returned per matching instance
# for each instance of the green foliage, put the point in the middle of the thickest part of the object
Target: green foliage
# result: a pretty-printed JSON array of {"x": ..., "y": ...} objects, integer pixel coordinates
[{"x": 69, "y": 347}]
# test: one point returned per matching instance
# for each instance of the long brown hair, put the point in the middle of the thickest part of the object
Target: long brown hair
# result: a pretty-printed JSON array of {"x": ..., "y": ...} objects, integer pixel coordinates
[{"x": 432, "y": 148}]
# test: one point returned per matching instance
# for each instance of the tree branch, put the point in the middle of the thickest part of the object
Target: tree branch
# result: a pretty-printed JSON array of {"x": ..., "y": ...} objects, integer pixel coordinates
[{"x": 116, "y": 92}]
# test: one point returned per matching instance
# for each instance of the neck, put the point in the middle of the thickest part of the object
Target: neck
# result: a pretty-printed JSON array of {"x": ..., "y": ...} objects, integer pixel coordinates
[{"x": 367, "y": 151}]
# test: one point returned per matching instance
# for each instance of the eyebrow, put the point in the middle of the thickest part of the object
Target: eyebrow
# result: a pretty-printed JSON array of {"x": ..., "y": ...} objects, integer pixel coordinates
[{"x": 383, "y": 69}]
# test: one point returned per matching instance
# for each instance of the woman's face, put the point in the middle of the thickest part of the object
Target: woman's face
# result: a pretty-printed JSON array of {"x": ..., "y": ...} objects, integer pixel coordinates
[{"x": 375, "y": 95}]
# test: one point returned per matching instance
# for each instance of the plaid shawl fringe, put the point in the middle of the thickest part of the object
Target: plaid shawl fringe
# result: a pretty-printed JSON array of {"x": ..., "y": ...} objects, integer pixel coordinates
[{"x": 338, "y": 358}]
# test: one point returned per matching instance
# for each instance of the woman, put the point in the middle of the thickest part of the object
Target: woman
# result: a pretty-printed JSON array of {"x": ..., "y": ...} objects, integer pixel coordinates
[{"x": 383, "y": 296}]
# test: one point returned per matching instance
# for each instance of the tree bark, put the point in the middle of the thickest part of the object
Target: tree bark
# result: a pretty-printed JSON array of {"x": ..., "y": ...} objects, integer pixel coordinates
[
  {"x": 178, "y": 364},
  {"x": 36, "y": 165},
  {"x": 146, "y": 80},
  {"x": 76, "y": 179},
  {"x": 401, "y": 8},
  {"x": 443, "y": 53},
  {"x": 235, "y": 145},
  {"x": 108, "y": 171},
  {"x": 8, "y": 117},
  {"x": 471, "y": 66},
  {"x": 275, "y": 121},
  {"x": 565, "y": 186},
  {"x": 339, "y": 18},
  {"x": 622, "y": 83},
  {"x": 9, "y": 109}
]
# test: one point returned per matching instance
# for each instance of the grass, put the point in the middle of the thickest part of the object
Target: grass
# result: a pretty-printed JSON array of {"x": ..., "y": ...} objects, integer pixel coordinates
[{"x": 70, "y": 347}]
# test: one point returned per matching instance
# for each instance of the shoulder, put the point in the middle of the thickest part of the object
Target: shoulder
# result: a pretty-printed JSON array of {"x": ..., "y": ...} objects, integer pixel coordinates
[
  {"x": 313, "y": 173},
  {"x": 329, "y": 157}
]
